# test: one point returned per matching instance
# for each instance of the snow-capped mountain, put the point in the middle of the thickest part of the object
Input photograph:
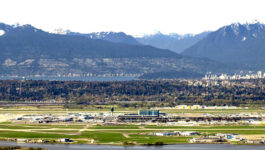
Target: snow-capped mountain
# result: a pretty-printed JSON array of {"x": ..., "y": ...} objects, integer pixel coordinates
[
  {"x": 242, "y": 31},
  {"x": 174, "y": 42},
  {"x": 26, "y": 50},
  {"x": 60, "y": 31},
  {"x": 2, "y": 32},
  {"x": 4, "y": 28},
  {"x": 235, "y": 43},
  {"x": 115, "y": 37}
]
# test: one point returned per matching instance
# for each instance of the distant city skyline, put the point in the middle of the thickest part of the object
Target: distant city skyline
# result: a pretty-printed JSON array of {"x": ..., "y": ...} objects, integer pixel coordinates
[{"x": 134, "y": 17}]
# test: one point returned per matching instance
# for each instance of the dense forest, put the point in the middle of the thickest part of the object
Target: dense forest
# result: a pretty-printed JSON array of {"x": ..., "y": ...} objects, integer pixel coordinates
[{"x": 133, "y": 93}]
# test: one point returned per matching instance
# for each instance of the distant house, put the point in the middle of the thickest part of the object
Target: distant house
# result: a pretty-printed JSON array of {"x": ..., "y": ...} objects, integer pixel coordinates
[
  {"x": 64, "y": 140},
  {"x": 189, "y": 133},
  {"x": 205, "y": 107},
  {"x": 165, "y": 133},
  {"x": 21, "y": 140},
  {"x": 227, "y": 136},
  {"x": 182, "y": 107},
  {"x": 206, "y": 140},
  {"x": 189, "y": 107}
]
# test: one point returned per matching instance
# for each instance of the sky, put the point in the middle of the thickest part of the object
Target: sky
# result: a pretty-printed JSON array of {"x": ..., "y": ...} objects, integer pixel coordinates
[{"x": 134, "y": 17}]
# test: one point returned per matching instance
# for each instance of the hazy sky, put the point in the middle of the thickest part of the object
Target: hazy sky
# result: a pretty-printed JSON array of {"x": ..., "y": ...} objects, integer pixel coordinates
[{"x": 133, "y": 17}]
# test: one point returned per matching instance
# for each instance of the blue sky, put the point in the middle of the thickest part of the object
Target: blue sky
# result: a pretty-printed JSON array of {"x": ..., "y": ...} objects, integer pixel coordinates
[{"x": 135, "y": 17}]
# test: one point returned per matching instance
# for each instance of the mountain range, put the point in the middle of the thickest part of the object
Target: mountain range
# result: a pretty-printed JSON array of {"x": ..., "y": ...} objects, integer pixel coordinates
[
  {"x": 238, "y": 45},
  {"x": 174, "y": 42},
  {"x": 115, "y": 37},
  {"x": 26, "y": 50}
]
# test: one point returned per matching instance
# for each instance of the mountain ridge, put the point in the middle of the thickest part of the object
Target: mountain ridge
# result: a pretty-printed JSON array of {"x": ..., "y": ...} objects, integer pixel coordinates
[
  {"x": 115, "y": 37},
  {"x": 26, "y": 50},
  {"x": 71, "y": 45},
  {"x": 173, "y": 41},
  {"x": 236, "y": 44}
]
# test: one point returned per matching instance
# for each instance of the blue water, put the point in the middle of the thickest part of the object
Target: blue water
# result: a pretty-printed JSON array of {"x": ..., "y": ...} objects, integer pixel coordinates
[
  {"x": 165, "y": 147},
  {"x": 72, "y": 78}
]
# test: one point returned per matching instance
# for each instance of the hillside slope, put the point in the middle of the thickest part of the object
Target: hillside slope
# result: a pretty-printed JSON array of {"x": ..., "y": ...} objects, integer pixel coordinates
[{"x": 233, "y": 44}]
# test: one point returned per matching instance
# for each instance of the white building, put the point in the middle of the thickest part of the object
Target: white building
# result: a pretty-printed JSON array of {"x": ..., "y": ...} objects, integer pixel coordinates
[{"x": 189, "y": 133}]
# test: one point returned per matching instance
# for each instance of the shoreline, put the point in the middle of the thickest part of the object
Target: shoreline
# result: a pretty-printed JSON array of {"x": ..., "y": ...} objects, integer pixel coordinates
[
  {"x": 130, "y": 144},
  {"x": 189, "y": 146}
]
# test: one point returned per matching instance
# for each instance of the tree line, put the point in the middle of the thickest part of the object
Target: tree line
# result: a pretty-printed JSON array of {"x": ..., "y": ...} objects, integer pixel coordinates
[{"x": 132, "y": 93}]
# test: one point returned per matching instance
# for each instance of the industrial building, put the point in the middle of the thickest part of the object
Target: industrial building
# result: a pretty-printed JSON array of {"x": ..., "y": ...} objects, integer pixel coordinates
[{"x": 148, "y": 113}]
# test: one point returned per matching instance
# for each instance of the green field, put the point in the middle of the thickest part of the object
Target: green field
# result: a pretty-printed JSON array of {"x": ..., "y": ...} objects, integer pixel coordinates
[
  {"x": 102, "y": 137},
  {"x": 118, "y": 134}
]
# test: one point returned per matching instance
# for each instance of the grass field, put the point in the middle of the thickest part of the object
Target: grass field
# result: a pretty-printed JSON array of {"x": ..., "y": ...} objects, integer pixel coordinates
[
  {"x": 113, "y": 134},
  {"x": 118, "y": 134},
  {"x": 102, "y": 137}
]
